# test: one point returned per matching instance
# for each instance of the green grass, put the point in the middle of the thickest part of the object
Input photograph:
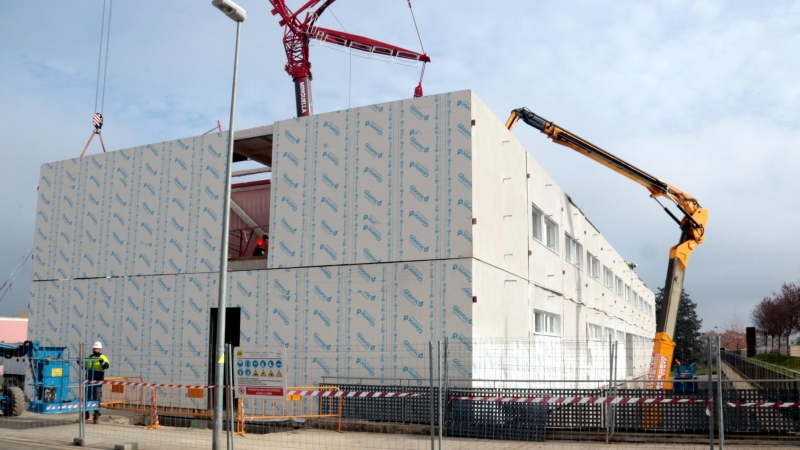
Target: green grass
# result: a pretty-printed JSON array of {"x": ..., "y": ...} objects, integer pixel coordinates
[
  {"x": 789, "y": 362},
  {"x": 704, "y": 371}
]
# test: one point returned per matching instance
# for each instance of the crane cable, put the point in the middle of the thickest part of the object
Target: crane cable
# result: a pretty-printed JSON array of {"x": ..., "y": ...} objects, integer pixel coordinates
[
  {"x": 97, "y": 119},
  {"x": 418, "y": 89},
  {"x": 350, "y": 71},
  {"x": 10, "y": 280}
]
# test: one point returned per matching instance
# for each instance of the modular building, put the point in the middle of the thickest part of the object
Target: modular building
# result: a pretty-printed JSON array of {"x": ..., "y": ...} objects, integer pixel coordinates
[{"x": 388, "y": 226}]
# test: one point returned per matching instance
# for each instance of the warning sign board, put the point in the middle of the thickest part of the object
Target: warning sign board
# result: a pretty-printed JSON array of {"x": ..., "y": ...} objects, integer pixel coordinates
[{"x": 254, "y": 375}]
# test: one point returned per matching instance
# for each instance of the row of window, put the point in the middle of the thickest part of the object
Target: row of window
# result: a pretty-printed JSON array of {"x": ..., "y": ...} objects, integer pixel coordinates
[
  {"x": 545, "y": 231},
  {"x": 550, "y": 324}
]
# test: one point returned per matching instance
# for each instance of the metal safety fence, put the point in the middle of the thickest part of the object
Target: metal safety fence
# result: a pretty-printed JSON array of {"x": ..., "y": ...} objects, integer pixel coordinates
[
  {"x": 440, "y": 395},
  {"x": 754, "y": 369}
]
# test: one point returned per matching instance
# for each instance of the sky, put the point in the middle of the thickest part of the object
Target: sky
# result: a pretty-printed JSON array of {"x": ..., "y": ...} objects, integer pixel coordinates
[{"x": 702, "y": 94}]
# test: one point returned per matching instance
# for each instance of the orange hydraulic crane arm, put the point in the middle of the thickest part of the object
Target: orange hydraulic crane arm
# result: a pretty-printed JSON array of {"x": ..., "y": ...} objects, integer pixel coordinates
[
  {"x": 688, "y": 205},
  {"x": 692, "y": 228}
]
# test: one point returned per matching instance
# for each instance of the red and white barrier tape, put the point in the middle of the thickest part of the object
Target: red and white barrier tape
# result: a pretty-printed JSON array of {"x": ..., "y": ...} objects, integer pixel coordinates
[
  {"x": 590, "y": 400},
  {"x": 624, "y": 401},
  {"x": 765, "y": 405},
  {"x": 137, "y": 383},
  {"x": 70, "y": 407},
  {"x": 355, "y": 394},
  {"x": 306, "y": 393},
  {"x": 584, "y": 400}
]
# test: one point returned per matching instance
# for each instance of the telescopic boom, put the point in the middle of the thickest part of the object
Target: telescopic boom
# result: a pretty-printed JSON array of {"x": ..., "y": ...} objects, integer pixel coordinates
[{"x": 692, "y": 227}]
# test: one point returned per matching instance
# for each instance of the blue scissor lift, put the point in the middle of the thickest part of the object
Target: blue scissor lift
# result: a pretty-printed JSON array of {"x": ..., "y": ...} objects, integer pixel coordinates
[{"x": 50, "y": 370}]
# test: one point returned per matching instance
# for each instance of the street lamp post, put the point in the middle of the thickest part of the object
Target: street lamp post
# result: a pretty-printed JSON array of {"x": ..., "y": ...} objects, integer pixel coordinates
[{"x": 237, "y": 14}]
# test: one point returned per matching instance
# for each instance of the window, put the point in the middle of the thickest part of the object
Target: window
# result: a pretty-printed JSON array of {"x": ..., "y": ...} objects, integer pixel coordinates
[
  {"x": 569, "y": 248},
  {"x": 546, "y": 323},
  {"x": 544, "y": 229},
  {"x": 628, "y": 293},
  {"x": 608, "y": 278},
  {"x": 609, "y": 337},
  {"x": 593, "y": 264},
  {"x": 621, "y": 337},
  {"x": 573, "y": 251},
  {"x": 618, "y": 281},
  {"x": 551, "y": 234},
  {"x": 536, "y": 222},
  {"x": 595, "y": 332}
]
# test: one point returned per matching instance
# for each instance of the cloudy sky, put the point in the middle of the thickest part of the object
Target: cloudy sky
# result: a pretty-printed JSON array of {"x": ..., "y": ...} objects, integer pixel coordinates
[{"x": 702, "y": 94}]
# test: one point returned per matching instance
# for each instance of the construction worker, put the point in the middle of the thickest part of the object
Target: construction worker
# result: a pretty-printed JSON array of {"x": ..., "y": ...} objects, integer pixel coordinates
[
  {"x": 261, "y": 246},
  {"x": 96, "y": 366}
]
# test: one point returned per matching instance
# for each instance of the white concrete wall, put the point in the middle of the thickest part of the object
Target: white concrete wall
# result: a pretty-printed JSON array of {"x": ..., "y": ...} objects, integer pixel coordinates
[
  {"x": 499, "y": 196},
  {"x": 550, "y": 270}
]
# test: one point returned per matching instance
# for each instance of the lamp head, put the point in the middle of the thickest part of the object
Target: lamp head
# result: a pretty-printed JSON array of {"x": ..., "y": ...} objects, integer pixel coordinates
[{"x": 230, "y": 9}]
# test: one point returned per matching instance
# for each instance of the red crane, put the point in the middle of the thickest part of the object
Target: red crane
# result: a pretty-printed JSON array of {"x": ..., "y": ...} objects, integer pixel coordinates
[{"x": 298, "y": 33}]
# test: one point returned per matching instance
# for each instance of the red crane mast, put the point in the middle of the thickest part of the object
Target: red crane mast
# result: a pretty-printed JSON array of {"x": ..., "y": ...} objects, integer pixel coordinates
[{"x": 298, "y": 33}]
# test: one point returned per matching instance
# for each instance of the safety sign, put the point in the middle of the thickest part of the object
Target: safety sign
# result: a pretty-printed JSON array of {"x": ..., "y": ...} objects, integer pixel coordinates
[{"x": 259, "y": 373}]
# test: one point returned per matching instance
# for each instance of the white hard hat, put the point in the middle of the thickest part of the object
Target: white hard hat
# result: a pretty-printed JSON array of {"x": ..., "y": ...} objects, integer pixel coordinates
[{"x": 98, "y": 344}]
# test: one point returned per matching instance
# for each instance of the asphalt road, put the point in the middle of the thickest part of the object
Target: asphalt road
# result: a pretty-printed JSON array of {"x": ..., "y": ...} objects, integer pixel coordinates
[{"x": 20, "y": 445}]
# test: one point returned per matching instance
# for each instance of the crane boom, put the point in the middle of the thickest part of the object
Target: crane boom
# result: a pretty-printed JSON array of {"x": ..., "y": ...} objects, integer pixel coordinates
[
  {"x": 692, "y": 230},
  {"x": 297, "y": 33}
]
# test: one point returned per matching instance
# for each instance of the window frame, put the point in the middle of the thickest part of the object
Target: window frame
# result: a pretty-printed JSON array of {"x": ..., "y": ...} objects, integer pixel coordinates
[
  {"x": 573, "y": 251},
  {"x": 595, "y": 332},
  {"x": 578, "y": 254},
  {"x": 619, "y": 286},
  {"x": 608, "y": 334},
  {"x": 592, "y": 265},
  {"x": 547, "y": 227},
  {"x": 553, "y": 319},
  {"x": 551, "y": 234},
  {"x": 608, "y": 282},
  {"x": 537, "y": 222}
]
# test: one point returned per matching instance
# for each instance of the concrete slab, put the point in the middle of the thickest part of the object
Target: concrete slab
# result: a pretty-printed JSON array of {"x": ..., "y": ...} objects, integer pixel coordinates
[
  {"x": 87, "y": 441},
  {"x": 131, "y": 446}
]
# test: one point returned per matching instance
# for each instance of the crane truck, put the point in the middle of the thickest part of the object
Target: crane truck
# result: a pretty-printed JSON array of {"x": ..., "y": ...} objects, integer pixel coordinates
[{"x": 692, "y": 225}]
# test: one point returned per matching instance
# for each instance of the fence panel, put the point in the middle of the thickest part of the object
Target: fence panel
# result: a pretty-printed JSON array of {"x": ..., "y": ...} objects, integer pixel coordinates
[
  {"x": 386, "y": 399},
  {"x": 764, "y": 410}
]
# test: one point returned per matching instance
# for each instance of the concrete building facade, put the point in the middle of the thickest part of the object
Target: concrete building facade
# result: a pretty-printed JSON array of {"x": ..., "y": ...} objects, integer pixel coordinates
[{"x": 389, "y": 225}]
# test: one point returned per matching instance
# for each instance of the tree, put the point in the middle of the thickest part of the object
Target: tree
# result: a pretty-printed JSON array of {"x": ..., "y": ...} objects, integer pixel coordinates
[
  {"x": 762, "y": 317},
  {"x": 733, "y": 337},
  {"x": 778, "y": 315},
  {"x": 688, "y": 347},
  {"x": 21, "y": 313}
]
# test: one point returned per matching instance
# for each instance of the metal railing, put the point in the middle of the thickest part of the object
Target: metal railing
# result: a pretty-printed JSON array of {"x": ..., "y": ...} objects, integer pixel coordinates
[{"x": 753, "y": 369}]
